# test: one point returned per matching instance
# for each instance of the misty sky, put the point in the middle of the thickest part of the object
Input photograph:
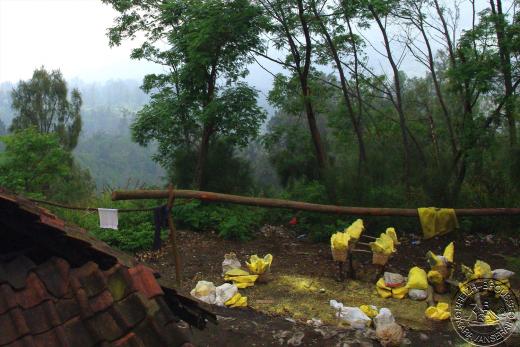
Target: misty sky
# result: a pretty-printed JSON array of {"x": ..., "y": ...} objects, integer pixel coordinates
[{"x": 70, "y": 35}]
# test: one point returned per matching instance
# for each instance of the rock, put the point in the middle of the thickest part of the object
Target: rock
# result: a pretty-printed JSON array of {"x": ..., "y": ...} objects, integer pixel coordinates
[
  {"x": 296, "y": 339},
  {"x": 423, "y": 337}
]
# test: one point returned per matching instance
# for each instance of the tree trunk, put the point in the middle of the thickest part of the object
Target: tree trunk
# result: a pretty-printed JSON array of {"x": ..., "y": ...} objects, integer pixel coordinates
[
  {"x": 398, "y": 104},
  {"x": 505, "y": 67},
  {"x": 202, "y": 157},
  {"x": 344, "y": 89}
]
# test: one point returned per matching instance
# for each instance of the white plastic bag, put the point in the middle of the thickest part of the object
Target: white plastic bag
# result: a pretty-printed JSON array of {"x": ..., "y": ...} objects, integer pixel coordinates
[
  {"x": 230, "y": 262},
  {"x": 417, "y": 294},
  {"x": 352, "y": 315},
  {"x": 204, "y": 291},
  {"x": 224, "y": 292},
  {"x": 502, "y": 274},
  {"x": 384, "y": 317}
]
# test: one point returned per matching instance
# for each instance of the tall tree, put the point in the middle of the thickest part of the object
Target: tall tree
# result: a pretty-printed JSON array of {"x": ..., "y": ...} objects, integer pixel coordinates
[
  {"x": 206, "y": 54},
  {"x": 43, "y": 102},
  {"x": 290, "y": 29}
]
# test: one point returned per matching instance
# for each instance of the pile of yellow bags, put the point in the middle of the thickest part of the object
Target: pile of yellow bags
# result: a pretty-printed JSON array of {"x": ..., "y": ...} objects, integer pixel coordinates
[
  {"x": 387, "y": 292},
  {"x": 439, "y": 312},
  {"x": 240, "y": 278}
]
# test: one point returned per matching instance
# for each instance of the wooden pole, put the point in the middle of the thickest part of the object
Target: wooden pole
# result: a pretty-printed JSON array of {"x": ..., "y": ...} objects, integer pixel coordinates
[
  {"x": 298, "y": 205},
  {"x": 173, "y": 236}
]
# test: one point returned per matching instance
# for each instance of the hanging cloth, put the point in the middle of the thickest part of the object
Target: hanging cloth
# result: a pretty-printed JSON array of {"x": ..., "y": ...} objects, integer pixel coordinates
[
  {"x": 437, "y": 221},
  {"x": 160, "y": 219},
  {"x": 108, "y": 218}
]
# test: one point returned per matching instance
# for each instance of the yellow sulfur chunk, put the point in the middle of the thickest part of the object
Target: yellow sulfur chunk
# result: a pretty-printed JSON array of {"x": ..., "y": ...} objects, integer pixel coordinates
[
  {"x": 237, "y": 301},
  {"x": 439, "y": 312},
  {"x": 339, "y": 241},
  {"x": 257, "y": 265},
  {"x": 435, "y": 277},
  {"x": 368, "y": 310},
  {"x": 482, "y": 269},
  {"x": 449, "y": 252},
  {"x": 393, "y": 235},
  {"x": 355, "y": 229}
]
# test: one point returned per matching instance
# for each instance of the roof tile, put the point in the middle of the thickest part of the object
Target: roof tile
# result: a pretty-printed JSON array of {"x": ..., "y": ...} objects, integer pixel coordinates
[
  {"x": 42, "y": 317},
  {"x": 130, "y": 340},
  {"x": 145, "y": 281},
  {"x": 104, "y": 327},
  {"x": 7, "y": 298},
  {"x": 101, "y": 302},
  {"x": 16, "y": 271},
  {"x": 67, "y": 308},
  {"x": 53, "y": 338},
  {"x": 13, "y": 326},
  {"x": 132, "y": 309},
  {"x": 119, "y": 282},
  {"x": 26, "y": 341},
  {"x": 34, "y": 292},
  {"x": 55, "y": 275},
  {"x": 91, "y": 278},
  {"x": 76, "y": 333}
]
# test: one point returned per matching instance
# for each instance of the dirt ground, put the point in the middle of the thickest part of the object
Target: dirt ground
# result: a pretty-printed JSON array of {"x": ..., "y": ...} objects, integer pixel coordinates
[{"x": 304, "y": 279}]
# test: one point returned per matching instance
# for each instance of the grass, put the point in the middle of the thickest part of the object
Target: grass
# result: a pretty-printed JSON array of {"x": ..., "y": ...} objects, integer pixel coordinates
[{"x": 302, "y": 298}]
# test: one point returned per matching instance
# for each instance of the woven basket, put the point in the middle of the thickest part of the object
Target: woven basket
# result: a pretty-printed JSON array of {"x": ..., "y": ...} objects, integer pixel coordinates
[
  {"x": 443, "y": 270},
  {"x": 380, "y": 258},
  {"x": 339, "y": 255}
]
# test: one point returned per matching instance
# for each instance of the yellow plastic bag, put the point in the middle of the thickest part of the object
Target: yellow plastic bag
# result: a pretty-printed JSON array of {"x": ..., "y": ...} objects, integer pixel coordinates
[
  {"x": 435, "y": 277},
  {"x": 449, "y": 252},
  {"x": 240, "y": 278},
  {"x": 383, "y": 244},
  {"x": 482, "y": 270},
  {"x": 370, "y": 311},
  {"x": 417, "y": 279},
  {"x": 355, "y": 229},
  {"x": 439, "y": 312},
  {"x": 258, "y": 266},
  {"x": 339, "y": 241},
  {"x": 393, "y": 235},
  {"x": 386, "y": 292},
  {"x": 437, "y": 221},
  {"x": 237, "y": 301}
]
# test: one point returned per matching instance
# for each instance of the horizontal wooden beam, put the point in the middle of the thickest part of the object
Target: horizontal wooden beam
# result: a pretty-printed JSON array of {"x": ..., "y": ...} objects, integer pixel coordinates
[{"x": 298, "y": 205}]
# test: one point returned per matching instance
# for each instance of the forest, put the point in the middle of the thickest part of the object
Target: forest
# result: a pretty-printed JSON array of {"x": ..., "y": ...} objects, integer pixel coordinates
[{"x": 380, "y": 103}]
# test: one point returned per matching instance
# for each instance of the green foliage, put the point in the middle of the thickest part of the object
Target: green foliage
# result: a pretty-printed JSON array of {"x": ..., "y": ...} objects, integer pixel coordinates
[
  {"x": 41, "y": 102},
  {"x": 36, "y": 164},
  {"x": 230, "y": 222}
]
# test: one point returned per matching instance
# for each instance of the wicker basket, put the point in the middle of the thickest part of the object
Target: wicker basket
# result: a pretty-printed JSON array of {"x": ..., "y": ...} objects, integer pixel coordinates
[
  {"x": 339, "y": 255},
  {"x": 380, "y": 259},
  {"x": 442, "y": 269}
]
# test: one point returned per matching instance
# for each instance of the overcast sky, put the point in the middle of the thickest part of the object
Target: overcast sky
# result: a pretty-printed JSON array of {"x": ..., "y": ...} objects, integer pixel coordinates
[{"x": 70, "y": 35}]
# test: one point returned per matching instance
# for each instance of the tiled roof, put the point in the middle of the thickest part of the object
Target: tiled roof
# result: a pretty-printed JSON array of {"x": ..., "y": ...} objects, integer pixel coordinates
[
  {"x": 53, "y": 304},
  {"x": 59, "y": 286}
]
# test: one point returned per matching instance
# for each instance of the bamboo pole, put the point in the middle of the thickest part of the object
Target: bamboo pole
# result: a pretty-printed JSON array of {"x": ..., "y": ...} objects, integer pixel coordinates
[{"x": 298, "y": 205}]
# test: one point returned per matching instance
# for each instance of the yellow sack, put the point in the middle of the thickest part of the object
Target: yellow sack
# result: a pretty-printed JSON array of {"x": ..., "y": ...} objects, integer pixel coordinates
[
  {"x": 417, "y": 279},
  {"x": 439, "y": 312},
  {"x": 240, "y": 278},
  {"x": 339, "y": 241},
  {"x": 355, "y": 229},
  {"x": 482, "y": 270},
  {"x": 393, "y": 235},
  {"x": 449, "y": 252},
  {"x": 386, "y": 292},
  {"x": 258, "y": 266},
  {"x": 237, "y": 300},
  {"x": 383, "y": 244},
  {"x": 370, "y": 311},
  {"x": 435, "y": 277},
  {"x": 437, "y": 221}
]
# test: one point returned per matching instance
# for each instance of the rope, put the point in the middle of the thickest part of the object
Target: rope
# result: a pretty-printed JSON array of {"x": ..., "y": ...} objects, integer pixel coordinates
[{"x": 95, "y": 209}]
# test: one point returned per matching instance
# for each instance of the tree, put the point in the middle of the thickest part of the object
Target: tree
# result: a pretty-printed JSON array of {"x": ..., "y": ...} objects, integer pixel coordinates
[
  {"x": 42, "y": 102},
  {"x": 201, "y": 96},
  {"x": 36, "y": 163}
]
